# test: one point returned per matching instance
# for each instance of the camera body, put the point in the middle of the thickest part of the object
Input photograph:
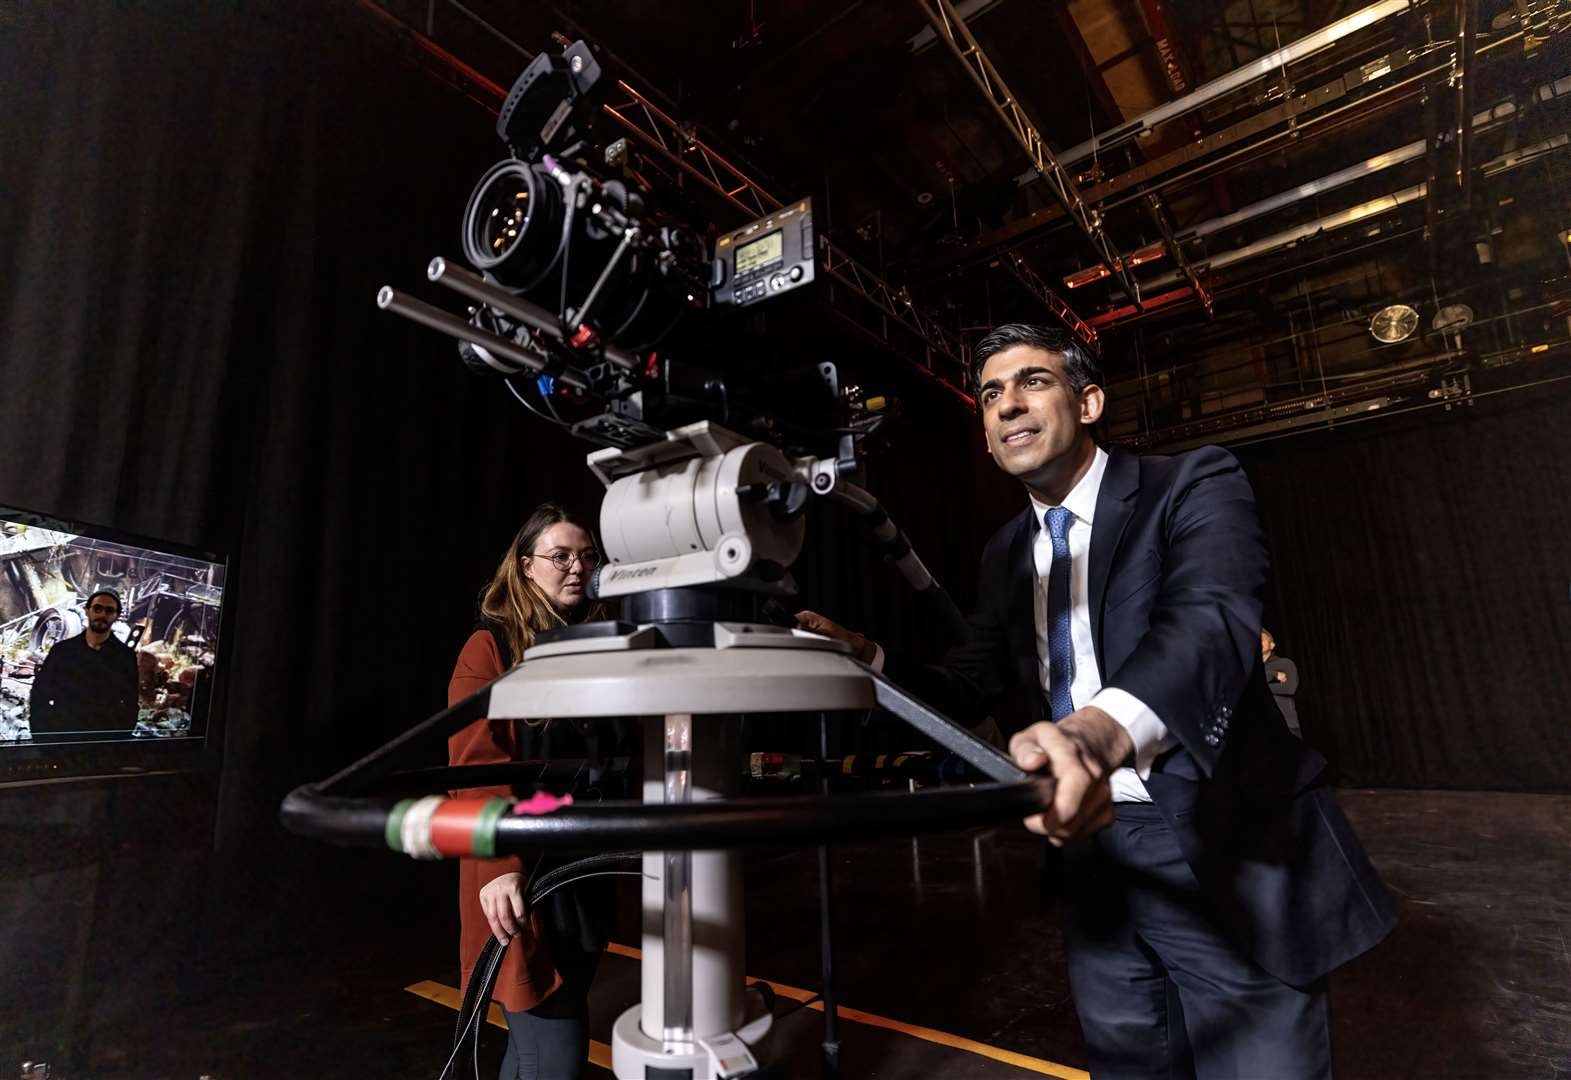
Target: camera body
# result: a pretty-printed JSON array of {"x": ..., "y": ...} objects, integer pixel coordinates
[
  {"x": 711, "y": 444},
  {"x": 587, "y": 243}
]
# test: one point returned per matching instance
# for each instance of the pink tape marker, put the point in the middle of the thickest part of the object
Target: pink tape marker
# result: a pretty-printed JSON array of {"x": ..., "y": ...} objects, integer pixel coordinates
[{"x": 542, "y": 802}]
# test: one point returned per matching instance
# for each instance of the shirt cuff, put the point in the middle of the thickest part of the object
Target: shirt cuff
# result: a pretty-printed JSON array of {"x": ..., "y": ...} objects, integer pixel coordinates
[
  {"x": 1144, "y": 726},
  {"x": 877, "y": 662}
]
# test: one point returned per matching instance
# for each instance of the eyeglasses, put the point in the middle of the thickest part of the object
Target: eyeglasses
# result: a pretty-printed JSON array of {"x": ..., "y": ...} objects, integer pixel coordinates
[{"x": 563, "y": 560}]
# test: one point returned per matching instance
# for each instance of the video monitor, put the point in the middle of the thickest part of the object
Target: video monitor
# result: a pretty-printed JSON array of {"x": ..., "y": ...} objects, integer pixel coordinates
[{"x": 106, "y": 640}]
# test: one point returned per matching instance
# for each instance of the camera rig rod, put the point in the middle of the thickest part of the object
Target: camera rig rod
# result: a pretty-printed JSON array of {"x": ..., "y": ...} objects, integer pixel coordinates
[
  {"x": 491, "y": 345},
  {"x": 472, "y": 285}
]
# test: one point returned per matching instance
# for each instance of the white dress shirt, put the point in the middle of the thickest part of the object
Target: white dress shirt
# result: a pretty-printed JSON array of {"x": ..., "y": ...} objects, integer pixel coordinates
[{"x": 1145, "y": 728}]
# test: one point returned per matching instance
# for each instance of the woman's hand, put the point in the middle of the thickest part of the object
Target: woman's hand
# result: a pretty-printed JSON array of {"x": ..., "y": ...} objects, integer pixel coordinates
[{"x": 502, "y": 900}]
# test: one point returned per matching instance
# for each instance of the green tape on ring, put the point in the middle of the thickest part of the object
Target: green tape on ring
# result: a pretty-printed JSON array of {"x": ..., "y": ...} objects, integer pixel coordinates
[
  {"x": 394, "y": 833},
  {"x": 483, "y": 839}
]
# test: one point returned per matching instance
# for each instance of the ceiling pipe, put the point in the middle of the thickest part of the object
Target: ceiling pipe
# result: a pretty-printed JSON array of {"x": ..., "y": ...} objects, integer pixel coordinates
[
  {"x": 1270, "y": 64},
  {"x": 1464, "y": 76},
  {"x": 1033, "y": 284},
  {"x": 1341, "y": 178},
  {"x": 1350, "y": 216},
  {"x": 1368, "y": 167}
]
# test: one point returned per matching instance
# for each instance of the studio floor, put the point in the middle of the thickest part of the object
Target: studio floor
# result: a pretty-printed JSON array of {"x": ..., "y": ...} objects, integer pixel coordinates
[{"x": 949, "y": 961}]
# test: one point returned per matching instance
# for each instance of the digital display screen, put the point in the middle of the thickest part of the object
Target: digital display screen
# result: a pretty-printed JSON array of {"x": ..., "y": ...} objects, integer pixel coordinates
[
  {"x": 100, "y": 639},
  {"x": 759, "y": 253}
]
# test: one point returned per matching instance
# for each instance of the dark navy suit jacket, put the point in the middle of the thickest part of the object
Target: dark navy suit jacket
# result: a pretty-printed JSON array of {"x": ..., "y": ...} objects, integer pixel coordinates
[{"x": 1177, "y": 568}]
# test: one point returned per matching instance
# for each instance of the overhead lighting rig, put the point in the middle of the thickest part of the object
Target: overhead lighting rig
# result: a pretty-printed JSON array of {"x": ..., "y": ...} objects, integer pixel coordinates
[
  {"x": 1175, "y": 249},
  {"x": 1033, "y": 284},
  {"x": 952, "y": 30}
]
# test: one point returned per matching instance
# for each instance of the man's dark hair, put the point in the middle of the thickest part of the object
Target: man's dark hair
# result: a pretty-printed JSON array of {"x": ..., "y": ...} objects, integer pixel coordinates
[
  {"x": 1080, "y": 364},
  {"x": 112, "y": 595}
]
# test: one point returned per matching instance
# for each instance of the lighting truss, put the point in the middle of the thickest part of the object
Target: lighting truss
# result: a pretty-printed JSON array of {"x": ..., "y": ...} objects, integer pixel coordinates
[
  {"x": 680, "y": 146},
  {"x": 1033, "y": 284},
  {"x": 897, "y": 305},
  {"x": 953, "y": 31},
  {"x": 1175, "y": 249}
]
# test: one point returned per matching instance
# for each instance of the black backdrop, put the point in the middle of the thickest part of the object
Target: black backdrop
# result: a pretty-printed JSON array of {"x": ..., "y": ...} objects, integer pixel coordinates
[
  {"x": 1423, "y": 586},
  {"x": 204, "y": 200},
  {"x": 201, "y": 203},
  {"x": 197, "y": 204}
]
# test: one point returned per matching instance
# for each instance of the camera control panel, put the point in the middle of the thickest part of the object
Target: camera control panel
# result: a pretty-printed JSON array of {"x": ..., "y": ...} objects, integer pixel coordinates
[{"x": 771, "y": 256}]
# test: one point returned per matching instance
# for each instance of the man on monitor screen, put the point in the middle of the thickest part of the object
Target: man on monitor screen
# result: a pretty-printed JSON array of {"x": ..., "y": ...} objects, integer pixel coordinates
[{"x": 87, "y": 682}]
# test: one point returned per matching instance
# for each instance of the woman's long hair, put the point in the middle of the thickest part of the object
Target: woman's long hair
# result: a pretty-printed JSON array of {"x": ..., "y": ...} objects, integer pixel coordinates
[{"x": 519, "y": 606}]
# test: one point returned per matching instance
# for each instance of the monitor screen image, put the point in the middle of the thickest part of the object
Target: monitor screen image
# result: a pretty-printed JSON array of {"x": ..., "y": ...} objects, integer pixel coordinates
[
  {"x": 102, "y": 640},
  {"x": 760, "y": 253}
]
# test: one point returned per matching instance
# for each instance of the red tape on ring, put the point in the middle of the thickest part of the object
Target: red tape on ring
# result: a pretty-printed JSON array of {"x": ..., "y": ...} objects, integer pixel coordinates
[{"x": 453, "y": 826}]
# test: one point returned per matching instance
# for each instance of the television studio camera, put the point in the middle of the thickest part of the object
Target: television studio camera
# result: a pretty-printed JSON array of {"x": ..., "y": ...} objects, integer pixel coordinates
[{"x": 708, "y": 470}]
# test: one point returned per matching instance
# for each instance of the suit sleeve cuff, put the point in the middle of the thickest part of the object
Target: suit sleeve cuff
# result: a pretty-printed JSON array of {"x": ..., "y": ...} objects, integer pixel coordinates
[
  {"x": 877, "y": 662},
  {"x": 1144, "y": 726}
]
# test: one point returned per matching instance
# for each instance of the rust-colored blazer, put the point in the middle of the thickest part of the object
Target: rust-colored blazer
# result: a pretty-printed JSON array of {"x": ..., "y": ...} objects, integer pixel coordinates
[{"x": 528, "y": 976}]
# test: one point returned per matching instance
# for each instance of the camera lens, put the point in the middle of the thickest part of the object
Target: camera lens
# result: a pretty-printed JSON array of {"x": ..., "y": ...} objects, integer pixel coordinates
[
  {"x": 500, "y": 226},
  {"x": 515, "y": 231},
  {"x": 513, "y": 224}
]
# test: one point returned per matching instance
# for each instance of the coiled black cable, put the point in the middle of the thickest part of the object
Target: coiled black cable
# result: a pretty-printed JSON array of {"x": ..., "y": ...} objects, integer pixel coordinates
[{"x": 477, "y": 996}]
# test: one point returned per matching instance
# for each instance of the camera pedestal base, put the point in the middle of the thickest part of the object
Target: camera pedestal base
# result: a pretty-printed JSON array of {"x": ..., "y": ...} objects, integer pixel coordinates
[
  {"x": 695, "y": 1020},
  {"x": 636, "y": 1056}
]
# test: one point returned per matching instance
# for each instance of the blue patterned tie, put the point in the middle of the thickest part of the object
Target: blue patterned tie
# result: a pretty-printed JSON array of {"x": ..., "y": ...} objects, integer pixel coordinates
[{"x": 1060, "y": 649}]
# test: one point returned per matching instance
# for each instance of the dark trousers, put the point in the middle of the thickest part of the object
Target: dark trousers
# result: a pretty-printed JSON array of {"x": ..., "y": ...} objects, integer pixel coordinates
[
  {"x": 551, "y": 1041},
  {"x": 1161, "y": 991}
]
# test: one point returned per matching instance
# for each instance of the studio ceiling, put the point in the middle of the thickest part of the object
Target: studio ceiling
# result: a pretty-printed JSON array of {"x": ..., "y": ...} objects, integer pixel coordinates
[{"x": 1271, "y": 223}]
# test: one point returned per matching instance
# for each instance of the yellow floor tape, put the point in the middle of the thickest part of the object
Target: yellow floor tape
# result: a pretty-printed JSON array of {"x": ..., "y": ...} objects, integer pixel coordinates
[
  {"x": 442, "y": 994},
  {"x": 600, "y": 1053}
]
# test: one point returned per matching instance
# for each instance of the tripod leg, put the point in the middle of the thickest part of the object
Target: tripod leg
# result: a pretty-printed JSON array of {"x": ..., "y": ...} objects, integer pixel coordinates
[{"x": 831, "y": 1045}]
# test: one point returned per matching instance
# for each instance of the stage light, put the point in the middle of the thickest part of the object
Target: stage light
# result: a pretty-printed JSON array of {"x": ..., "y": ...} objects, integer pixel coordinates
[{"x": 1393, "y": 324}]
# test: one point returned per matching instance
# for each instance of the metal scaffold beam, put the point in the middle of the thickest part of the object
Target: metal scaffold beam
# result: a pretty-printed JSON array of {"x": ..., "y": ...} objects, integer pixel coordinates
[
  {"x": 679, "y": 145},
  {"x": 1176, "y": 250},
  {"x": 1033, "y": 284},
  {"x": 898, "y": 306},
  {"x": 953, "y": 31}
]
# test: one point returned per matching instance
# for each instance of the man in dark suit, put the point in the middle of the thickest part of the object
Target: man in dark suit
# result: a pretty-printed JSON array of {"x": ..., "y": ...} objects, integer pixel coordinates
[
  {"x": 1282, "y": 678},
  {"x": 1212, "y": 880},
  {"x": 87, "y": 682}
]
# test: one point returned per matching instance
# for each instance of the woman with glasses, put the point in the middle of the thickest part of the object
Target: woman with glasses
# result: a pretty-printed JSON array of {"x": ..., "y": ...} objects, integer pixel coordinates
[{"x": 543, "y": 984}]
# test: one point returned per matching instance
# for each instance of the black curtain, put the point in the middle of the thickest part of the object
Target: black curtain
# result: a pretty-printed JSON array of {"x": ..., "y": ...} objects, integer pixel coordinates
[
  {"x": 1423, "y": 586},
  {"x": 203, "y": 202},
  {"x": 200, "y": 201}
]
